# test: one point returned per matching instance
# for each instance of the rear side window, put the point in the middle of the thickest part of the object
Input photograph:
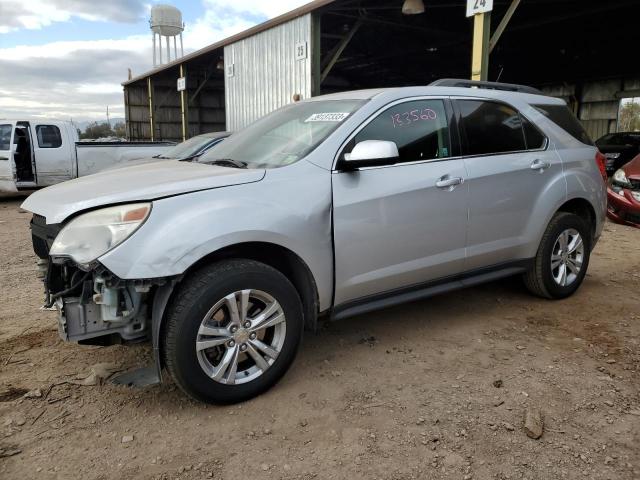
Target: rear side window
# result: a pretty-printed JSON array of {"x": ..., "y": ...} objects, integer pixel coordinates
[
  {"x": 5, "y": 137},
  {"x": 562, "y": 116},
  {"x": 491, "y": 127},
  {"x": 419, "y": 128},
  {"x": 48, "y": 136}
]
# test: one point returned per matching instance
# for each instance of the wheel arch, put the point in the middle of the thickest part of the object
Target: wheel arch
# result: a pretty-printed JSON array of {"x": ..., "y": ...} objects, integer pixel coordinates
[
  {"x": 276, "y": 256},
  {"x": 582, "y": 208}
]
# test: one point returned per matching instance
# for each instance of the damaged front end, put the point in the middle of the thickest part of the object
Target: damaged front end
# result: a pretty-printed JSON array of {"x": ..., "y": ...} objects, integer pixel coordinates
[{"x": 95, "y": 306}]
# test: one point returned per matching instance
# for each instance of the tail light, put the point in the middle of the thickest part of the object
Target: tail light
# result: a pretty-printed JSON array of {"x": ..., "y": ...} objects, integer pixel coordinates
[{"x": 601, "y": 161}]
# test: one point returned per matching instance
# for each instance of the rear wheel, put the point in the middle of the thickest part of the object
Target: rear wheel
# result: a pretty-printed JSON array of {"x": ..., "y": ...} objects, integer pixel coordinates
[
  {"x": 562, "y": 258},
  {"x": 232, "y": 331}
]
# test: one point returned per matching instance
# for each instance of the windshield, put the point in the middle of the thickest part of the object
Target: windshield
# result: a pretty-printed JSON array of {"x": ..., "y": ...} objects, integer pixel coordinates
[
  {"x": 619, "y": 139},
  {"x": 188, "y": 148},
  {"x": 285, "y": 136}
]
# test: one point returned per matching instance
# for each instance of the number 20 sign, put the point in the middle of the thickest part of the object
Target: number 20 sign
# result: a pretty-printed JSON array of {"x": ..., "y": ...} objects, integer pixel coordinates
[{"x": 478, "y": 6}]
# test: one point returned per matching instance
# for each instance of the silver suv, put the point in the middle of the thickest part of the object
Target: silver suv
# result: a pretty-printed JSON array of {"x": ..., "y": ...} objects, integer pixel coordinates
[{"x": 332, "y": 207}]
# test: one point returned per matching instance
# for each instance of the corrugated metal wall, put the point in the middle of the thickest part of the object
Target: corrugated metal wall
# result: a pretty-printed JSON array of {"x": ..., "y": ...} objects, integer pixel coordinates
[
  {"x": 596, "y": 103},
  {"x": 263, "y": 73}
]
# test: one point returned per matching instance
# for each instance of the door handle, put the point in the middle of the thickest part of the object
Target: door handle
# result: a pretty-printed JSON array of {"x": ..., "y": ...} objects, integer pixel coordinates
[
  {"x": 449, "y": 182},
  {"x": 538, "y": 164}
]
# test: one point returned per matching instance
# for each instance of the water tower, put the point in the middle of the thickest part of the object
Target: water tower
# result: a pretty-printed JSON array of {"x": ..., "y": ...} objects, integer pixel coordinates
[{"x": 166, "y": 21}]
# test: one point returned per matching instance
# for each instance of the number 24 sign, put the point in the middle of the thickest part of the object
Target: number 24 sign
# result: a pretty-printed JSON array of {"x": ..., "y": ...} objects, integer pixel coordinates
[{"x": 478, "y": 6}]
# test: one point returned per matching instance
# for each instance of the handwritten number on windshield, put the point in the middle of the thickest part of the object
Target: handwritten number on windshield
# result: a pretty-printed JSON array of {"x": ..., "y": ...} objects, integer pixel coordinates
[{"x": 407, "y": 118}]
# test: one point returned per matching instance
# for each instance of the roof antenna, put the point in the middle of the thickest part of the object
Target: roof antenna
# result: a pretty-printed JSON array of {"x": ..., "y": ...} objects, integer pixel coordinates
[{"x": 500, "y": 74}]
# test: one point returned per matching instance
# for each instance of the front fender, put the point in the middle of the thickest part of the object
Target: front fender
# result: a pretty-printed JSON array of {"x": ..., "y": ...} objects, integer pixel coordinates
[{"x": 294, "y": 213}]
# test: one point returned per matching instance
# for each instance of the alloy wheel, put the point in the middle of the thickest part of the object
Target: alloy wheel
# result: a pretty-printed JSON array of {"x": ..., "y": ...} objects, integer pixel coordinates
[
  {"x": 240, "y": 337},
  {"x": 567, "y": 257}
]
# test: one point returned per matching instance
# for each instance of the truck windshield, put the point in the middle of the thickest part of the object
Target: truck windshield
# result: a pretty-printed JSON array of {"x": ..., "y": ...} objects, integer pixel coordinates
[{"x": 285, "y": 136}]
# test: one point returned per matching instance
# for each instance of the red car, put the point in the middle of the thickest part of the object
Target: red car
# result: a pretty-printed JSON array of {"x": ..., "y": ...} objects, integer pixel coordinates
[{"x": 623, "y": 194}]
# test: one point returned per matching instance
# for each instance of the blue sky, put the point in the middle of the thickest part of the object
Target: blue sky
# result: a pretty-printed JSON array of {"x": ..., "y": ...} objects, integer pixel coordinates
[{"x": 67, "y": 58}]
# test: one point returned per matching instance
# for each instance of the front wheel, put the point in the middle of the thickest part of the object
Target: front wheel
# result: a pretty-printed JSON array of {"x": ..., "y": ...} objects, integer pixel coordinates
[
  {"x": 232, "y": 331},
  {"x": 562, "y": 258}
]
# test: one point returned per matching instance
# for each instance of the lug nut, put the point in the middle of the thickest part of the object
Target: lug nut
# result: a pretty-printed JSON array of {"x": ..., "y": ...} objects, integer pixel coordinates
[
  {"x": 234, "y": 329},
  {"x": 253, "y": 336},
  {"x": 231, "y": 343},
  {"x": 243, "y": 347},
  {"x": 247, "y": 324}
]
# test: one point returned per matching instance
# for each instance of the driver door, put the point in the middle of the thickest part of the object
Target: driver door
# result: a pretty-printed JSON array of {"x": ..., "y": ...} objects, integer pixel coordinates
[{"x": 401, "y": 225}]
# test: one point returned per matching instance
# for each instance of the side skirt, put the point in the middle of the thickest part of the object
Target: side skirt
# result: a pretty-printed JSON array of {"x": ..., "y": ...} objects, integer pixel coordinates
[{"x": 429, "y": 289}]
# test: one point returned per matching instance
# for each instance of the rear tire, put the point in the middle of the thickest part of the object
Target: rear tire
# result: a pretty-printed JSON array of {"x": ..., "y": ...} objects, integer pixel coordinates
[
  {"x": 225, "y": 325},
  {"x": 562, "y": 258}
]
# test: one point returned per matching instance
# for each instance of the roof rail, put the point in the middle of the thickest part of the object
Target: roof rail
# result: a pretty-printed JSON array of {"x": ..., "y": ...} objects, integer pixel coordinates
[{"x": 460, "y": 82}]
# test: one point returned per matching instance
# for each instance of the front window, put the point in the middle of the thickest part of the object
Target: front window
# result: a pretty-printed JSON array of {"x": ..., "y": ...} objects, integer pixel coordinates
[
  {"x": 286, "y": 135},
  {"x": 419, "y": 129}
]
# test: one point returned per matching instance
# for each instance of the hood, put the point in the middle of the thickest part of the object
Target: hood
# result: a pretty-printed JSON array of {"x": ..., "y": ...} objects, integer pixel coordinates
[
  {"x": 129, "y": 184},
  {"x": 632, "y": 169}
]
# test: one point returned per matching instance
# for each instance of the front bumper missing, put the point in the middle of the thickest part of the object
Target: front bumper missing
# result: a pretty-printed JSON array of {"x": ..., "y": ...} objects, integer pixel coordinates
[{"x": 78, "y": 322}]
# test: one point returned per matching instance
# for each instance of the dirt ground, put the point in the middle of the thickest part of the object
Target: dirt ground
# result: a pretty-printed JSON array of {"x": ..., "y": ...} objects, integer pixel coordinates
[{"x": 433, "y": 389}]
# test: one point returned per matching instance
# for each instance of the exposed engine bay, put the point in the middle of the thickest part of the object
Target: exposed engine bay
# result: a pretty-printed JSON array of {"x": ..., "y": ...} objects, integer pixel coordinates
[{"x": 95, "y": 306}]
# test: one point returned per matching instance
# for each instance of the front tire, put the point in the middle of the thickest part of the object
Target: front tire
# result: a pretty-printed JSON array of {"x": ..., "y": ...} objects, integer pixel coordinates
[
  {"x": 562, "y": 259},
  {"x": 232, "y": 331}
]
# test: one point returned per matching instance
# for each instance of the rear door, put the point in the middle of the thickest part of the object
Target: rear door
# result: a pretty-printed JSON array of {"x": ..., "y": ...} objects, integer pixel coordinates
[
  {"x": 509, "y": 166},
  {"x": 401, "y": 225},
  {"x": 53, "y": 153}
]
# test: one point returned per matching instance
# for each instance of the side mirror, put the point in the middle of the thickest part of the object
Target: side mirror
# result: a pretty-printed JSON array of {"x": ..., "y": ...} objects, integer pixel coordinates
[{"x": 370, "y": 153}]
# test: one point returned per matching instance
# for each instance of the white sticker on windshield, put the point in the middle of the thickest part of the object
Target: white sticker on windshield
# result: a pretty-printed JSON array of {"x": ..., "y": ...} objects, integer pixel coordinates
[{"x": 327, "y": 117}]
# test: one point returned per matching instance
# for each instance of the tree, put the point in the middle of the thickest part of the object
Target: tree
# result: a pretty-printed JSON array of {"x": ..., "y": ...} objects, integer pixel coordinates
[
  {"x": 97, "y": 130},
  {"x": 120, "y": 130},
  {"x": 629, "y": 118}
]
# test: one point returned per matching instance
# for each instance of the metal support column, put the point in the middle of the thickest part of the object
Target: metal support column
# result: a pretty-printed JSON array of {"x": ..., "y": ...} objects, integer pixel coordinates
[
  {"x": 150, "y": 93},
  {"x": 480, "y": 55},
  {"x": 183, "y": 105}
]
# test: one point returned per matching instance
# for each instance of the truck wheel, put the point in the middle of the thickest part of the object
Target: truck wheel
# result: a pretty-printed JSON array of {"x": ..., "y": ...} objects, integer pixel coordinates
[
  {"x": 562, "y": 259},
  {"x": 232, "y": 331}
]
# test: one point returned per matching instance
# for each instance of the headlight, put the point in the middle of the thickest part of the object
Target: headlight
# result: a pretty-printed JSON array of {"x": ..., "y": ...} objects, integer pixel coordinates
[
  {"x": 93, "y": 234},
  {"x": 620, "y": 178}
]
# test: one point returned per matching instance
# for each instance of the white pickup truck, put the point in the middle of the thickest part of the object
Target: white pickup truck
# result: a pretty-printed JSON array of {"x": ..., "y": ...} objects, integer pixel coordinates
[{"x": 39, "y": 153}]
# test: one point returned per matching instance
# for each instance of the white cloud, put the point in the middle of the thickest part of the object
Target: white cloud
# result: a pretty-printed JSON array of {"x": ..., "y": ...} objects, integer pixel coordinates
[
  {"x": 78, "y": 79},
  {"x": 268, "y": 9},
  {"x": 36, "y": 14}
]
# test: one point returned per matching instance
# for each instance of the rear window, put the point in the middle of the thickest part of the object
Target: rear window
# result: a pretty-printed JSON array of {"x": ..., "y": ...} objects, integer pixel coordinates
[
  {"x": 48, "y": 136},
  {"x": 5, "y": 137},
  {"x": 562, "y": 116},
  {"x": 491, "y": 127}
]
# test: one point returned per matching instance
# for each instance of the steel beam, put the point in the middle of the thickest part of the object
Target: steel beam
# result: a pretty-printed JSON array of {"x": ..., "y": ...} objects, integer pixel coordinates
[
  {"x": 480, "y": 54},
  {"x": 150, "y": 96},
  {"x": 183, "y": 112},
  {"x": 337, "y": 51},
  {"x": 503, "y": 24}
]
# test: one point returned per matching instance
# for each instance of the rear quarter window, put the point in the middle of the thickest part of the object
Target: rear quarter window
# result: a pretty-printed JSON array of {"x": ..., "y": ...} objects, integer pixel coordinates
[{"x": 562, "y": 116}]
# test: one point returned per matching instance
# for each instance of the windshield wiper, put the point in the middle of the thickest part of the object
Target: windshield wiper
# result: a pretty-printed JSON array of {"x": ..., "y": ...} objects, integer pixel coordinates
[{"x": 228, "y": 162}]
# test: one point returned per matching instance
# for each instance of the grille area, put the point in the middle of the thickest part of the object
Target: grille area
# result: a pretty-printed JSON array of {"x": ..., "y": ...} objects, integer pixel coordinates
[{"x": 43, "y": 235}]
